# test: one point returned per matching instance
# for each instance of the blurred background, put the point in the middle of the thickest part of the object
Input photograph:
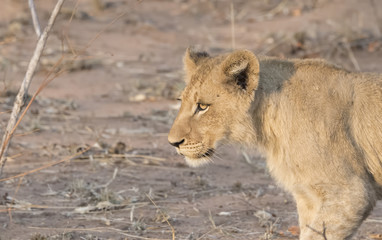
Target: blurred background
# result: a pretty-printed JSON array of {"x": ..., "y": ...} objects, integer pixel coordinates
[{"x": 120, "y": 72}]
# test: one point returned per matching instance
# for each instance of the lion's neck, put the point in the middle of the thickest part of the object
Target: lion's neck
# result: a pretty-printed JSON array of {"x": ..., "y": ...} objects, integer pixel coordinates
[{"x": 267, "y": 122}]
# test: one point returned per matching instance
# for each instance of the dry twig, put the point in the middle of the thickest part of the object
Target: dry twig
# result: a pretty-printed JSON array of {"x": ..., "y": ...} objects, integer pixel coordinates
[
  {"x": 351, "y": 55},
  {"x": 20, "y": 98},
  {"x": 46, "y": 165},
  {"x": 323, "y": 233},
  {"x": 377, "y": 16},
  {"x": 97, "y": 229},
  {"x": 164, "y": 217},
  {"x": 36, "y": 23},
  {"x": 233, "y": 26}
]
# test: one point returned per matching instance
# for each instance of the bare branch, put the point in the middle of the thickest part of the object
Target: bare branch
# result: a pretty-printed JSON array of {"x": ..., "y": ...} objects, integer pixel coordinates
[
  {"x": 351, "y": 55},
  {"x": 233, "y": 26},
  {"x": 377, "y": 16},
  {"x": 36, "y": 23},
  {"x": 21, "y": 95},
  {"x": 323, "y": 233}
]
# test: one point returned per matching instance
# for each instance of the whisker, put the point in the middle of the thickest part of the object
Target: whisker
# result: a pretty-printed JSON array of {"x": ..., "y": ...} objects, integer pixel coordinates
[{"x": 218, "y": 157}]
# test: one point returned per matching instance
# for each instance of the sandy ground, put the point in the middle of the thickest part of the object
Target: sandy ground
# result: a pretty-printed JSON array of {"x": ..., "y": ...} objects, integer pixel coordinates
[{"x": 122, "y": 62}]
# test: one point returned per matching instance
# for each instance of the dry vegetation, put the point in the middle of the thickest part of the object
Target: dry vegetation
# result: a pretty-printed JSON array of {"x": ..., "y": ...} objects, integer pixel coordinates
[{"x": 90, "y": 160}]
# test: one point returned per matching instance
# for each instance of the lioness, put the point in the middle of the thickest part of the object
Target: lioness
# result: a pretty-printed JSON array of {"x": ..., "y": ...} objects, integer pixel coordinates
[{"x": 320, "y": 127}]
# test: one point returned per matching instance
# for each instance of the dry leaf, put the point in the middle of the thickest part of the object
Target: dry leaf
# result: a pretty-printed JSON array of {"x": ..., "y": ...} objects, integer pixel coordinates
[
  {"x": 375, "y": 236},
  {"x": 296, "y": 12},
  {"x": 373, "y": 46},
  {"x": 294, "y": 230}
]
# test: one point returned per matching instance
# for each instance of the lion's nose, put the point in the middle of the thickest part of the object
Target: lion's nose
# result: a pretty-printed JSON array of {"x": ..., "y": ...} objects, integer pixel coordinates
[{"x": 177, "y": 144}]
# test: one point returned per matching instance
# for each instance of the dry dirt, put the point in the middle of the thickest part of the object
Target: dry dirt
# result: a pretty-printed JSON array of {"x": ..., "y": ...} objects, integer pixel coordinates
[{"x": 122, "y": 73}]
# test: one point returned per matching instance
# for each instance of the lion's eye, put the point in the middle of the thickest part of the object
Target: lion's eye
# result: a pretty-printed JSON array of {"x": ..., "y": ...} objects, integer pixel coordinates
[{"x": 202, "y": 107}]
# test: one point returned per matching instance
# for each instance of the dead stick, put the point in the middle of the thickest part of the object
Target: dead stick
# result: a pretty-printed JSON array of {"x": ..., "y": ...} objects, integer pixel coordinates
[
  {"x": 36, "y": 23},
  {"x": 351, "y": 55},
  {"x": 20, "y": 98},
  {"x": 377, "y": 16},
  {"x": 233, "y": 26},
  {"x": 66, "y": 159},
  {"x": 163, "y": 215}
]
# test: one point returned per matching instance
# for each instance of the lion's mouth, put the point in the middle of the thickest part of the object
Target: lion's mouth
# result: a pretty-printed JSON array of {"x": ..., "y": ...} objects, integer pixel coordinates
[{"x": 200, "y": 159}]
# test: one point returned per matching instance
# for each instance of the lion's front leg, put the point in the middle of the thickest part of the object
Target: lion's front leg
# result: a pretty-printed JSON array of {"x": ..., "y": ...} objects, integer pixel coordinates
[
  {"x": 307, "y": 207},
  {"x": 333, "y": 211}
]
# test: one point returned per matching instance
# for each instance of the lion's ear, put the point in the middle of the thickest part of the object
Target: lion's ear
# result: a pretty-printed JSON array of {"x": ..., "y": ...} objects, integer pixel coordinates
[
  {"x": 241, "y": 69},
  {"x": 192, "y": 58}
]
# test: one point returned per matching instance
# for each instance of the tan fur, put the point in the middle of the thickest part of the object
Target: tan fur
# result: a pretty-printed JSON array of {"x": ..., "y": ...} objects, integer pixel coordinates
[{"x": 319, "y": 126}]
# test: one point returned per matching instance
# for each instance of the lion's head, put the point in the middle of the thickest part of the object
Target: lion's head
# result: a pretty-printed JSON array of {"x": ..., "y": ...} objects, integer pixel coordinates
[{"x": 215, "y": 103}]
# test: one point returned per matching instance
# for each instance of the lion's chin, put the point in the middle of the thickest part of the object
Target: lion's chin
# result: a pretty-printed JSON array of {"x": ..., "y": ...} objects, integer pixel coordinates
[{"x": 197, "y": 162}]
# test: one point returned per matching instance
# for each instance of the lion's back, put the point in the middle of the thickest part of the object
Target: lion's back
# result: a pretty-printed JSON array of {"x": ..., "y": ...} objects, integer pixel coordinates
[
  {"x": 366, "y": 121},
  {"x": 326, "y": 116}
]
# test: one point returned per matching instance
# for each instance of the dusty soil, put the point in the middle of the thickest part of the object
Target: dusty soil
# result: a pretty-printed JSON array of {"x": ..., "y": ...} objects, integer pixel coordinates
[{"x": 122, "y": 71}]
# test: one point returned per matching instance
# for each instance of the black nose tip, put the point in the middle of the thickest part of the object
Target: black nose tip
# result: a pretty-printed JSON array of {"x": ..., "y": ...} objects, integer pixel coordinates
[{"x": 176, "y": 144}]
